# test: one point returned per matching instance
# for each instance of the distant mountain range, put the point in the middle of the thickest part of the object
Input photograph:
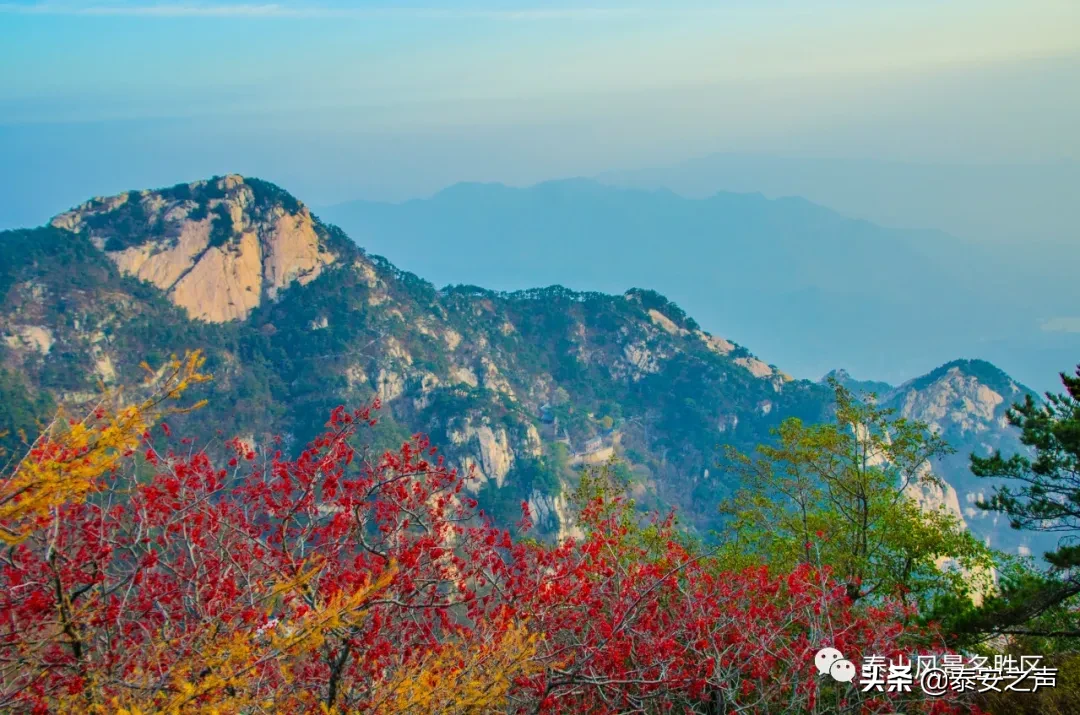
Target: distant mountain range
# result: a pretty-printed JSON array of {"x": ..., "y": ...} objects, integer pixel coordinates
[
  {"x": 1017, "y": 204},
  {"x": 804, "y": 285},
  {"x": 521, "y": 387}
]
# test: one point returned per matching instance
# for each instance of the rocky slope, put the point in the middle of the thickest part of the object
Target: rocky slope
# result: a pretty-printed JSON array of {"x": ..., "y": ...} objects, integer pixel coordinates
[
  {"x": 519, "y": 388},
  {"x": 217, "y": 248},
  {"x": 966, "y": 402}
]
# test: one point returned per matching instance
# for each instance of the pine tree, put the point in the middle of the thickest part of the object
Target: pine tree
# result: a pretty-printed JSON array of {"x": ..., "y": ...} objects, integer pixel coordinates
[{"x": 1047, "y": 496}]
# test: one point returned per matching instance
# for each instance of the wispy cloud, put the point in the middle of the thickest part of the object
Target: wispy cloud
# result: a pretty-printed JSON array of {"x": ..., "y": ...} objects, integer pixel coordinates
[{"x": 277, "y": 10}]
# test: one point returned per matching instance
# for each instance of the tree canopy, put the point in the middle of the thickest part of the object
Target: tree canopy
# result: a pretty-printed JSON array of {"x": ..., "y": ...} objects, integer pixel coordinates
[{"x": 842, "y": 495}]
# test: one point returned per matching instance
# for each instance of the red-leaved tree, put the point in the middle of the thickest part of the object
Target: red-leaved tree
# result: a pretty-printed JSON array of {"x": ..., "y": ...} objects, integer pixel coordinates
[{"x": 338, "y": 582}]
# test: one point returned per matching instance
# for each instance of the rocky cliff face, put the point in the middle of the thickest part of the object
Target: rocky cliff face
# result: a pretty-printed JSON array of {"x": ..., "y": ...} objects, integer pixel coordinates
[
  {"x": 953, "y": 399},
  {"x": 966, "y": 402},
  {"x": 217, "y": 248}
]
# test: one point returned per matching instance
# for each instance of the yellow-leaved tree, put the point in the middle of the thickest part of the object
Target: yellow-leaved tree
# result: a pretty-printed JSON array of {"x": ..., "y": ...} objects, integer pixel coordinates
[
  {"x": 460, "y": 677},
  {"x": 69, "y": 458},
  {"x": 140, "y": 580}
]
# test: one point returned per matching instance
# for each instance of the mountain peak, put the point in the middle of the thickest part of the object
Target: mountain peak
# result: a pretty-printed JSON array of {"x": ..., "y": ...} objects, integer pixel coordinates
[
  {"x": 972, "y": 370},
  {"x": 217, "y": 247},
  {"x": 960, "y": 397}
]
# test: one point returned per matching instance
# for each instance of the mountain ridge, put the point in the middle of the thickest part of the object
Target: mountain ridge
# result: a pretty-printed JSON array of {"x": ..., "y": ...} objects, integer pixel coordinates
[
  {"x": 520, "y": 387},
  {"x": 891, "y": 193},
  {"x": 788, "y": 276}
]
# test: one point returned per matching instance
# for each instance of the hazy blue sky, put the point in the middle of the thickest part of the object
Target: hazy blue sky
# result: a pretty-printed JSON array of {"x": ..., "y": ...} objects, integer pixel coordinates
[{"x": 338, "y": 100}]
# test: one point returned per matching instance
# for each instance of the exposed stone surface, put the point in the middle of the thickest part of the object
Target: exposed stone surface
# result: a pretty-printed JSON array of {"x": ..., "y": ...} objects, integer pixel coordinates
[
  {"x": 103, "y": 366},
  {"x": 930, "y": 498},
  {"x": 494, "y": 380},
  {"x": 495, "y": 453},
  {"x": 666, "y": 323},
  {"x": 74, "y": 220},
  {"x": 491, "y": 455},
  {"x": 641, "y": 360},
  {"x": 293, "y": 252},
  {"x": 389, "y": 384},
  {"x": 756, "y": 367},
  {"x": 954, "y": 399},
  {"x": 396, "y": 351},
  {"x": 463, "y": 376},
  {"x": 534, "y": 446},
  {"x": 429, "y": 382},
  {"x": 716, "y": 344},
  {"x": 35, "y": 337},
  {"x": 269, "y": 247},
  {"x": 554, "y": 513},
  {"x": 225, "y": 284},
  {"x": 355, "y": 376},
  {"x": 161, "y": 262}
]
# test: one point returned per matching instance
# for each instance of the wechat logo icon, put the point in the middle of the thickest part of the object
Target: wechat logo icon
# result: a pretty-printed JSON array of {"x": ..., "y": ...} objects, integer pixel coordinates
[{"x": 830, "y": 661}]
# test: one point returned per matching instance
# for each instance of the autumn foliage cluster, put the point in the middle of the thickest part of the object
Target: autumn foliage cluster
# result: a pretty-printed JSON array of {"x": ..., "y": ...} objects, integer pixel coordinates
[{"x": 140, "y": 575}]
